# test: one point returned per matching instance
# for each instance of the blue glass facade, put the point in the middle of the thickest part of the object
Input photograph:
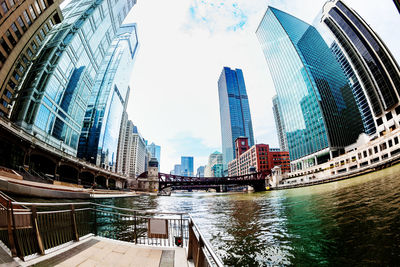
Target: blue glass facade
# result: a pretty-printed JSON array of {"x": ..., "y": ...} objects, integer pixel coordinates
[
  {"x": 186, "y": 166},
  {"x": 280, "y": 127},
  {"x": 98, "y": 142},
  {"x": 234, "y": 112},
  {"x": 361, "y": 100},
  {"x": 54, "y": 96},
  {"x": 318, "y": 109},
  {"x": 155, "y": 152},
  {"x": 378, "y": 72}
]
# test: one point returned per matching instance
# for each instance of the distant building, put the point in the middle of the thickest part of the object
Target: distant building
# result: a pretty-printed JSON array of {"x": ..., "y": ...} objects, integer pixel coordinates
[
  {"x": 200, "y": 171},
  {"x": 155, "y": 152},
  {"x": 234, "y": 112},
  {"x": 177, "y": 169},
  {"x": 24, "y": 26},
  {"x": 320, "y": 114},
  {"x": 139, "y": 154},
  {"x": 187, "y": 166},
  {"x": 375, "y": 68},
  {"x": 280, "y": 126},
  {"x": 214, "y": 167},
  {"x": 258, "y": 158}
]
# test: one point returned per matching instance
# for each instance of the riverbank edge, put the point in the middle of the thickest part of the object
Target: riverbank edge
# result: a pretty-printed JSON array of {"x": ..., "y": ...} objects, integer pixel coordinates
[{"x": 370, "y": 169}]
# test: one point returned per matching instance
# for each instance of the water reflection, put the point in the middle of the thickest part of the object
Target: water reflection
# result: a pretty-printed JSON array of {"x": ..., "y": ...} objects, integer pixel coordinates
[{"x": 351, "y": 222}]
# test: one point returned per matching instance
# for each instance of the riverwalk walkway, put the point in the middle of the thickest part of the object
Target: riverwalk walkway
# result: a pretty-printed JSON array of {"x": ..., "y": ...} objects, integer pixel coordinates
[{"x": 99, "y": 251}]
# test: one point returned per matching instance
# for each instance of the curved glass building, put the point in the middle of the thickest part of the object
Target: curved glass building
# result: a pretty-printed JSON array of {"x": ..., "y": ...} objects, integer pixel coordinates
[
  {"x": 319, "y": 113},
  {"x": 53, "y": 98},
  {"x": 98, "y": 142},
  {"x": 373, "y": 64}
]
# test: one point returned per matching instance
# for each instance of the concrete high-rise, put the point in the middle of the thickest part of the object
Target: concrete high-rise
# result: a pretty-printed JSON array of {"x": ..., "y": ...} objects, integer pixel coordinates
[
  {"x": 24, "y": 26},
  {"x": 54, "y": 95},
  {"x": 98, "y": 142},
  {"x": 214, "y": 167},
  {"x": 374, "y": 67},
  {"x": 234, "y": 112},
  {"x": 319, "y": 113},
  {"x": 280, "y": 127}
]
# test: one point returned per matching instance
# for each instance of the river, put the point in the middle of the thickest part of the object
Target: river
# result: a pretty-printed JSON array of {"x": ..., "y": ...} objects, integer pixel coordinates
[{"x": 351, "y": 222}]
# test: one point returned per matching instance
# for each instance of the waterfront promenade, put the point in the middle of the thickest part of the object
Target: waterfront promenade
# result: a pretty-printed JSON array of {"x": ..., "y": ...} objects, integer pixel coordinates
[{"x": 98, "y": 251}]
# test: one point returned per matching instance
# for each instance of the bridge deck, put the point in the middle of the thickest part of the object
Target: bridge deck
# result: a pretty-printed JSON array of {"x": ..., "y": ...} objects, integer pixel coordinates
[{"x": 98, "y": 251}]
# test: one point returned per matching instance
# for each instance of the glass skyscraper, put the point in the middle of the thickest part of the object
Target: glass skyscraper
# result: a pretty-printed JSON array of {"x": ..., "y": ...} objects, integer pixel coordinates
[
  {"x": 374, "y": 66},
  {"x": 187, "y": 166},
  {"x": 155, "y": 152},
  {"x": 234, "y": 112},
  {"x": 319, "y": 112},
  {"x": 98, "y": 142},
  {"x": 280, "y": 127},
  {"x": 54, "y": 96}
]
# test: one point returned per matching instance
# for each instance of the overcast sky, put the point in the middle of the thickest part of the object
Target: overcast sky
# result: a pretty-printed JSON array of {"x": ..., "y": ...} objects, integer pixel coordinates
[{"x": 184, "y": 45}]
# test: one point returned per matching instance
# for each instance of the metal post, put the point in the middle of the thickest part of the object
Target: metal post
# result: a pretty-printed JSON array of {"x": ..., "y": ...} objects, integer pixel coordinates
[
  {"x": 182, "y": 229},
  {"x": 35, "y": 229},
  {"x": 134, "y": 229},
  {"x": 75, "y": 235},
  {"x": 200, "y": 254},
  {"x": 95, "y": 221},
  {"x": 10, "y": 230},
  {"x": 17, "y": 245},
  {"x": 191, "y": 240}
]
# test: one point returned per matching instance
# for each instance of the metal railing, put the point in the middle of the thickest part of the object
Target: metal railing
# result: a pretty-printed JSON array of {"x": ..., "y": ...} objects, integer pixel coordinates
[{"x": 43, "y": 227}]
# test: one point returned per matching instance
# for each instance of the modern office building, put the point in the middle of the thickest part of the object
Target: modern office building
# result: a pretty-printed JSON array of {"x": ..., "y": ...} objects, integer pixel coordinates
[
  {"x": 258, "y": 158},
  {"x": 24, "y": 26},
  {"x": 280, "y": 127},
  {"x": 53, "y": 98},
  {"x": 100, "y": 133},
  {"x": 200, "y": 171},
  {"x": 138, "y": 158},
  {"x": 155, "y": 152},
  {"x": 187, "y": 166},
  {"x": 375, "y": 68},
  {"x": 319, "y": 112},
  {"x": 234, "y": 111},
  {"x": 214, "y": 167},
  {"x": 125, "y": 145},
  {"x": 177, "y": 169}
]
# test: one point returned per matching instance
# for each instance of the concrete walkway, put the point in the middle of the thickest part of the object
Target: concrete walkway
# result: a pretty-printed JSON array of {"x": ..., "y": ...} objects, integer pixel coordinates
[{"x": 97, "y": 251}]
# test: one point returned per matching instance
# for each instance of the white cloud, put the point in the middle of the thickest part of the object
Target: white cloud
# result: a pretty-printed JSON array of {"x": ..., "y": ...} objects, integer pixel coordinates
[{"x": 174, "y": 85}]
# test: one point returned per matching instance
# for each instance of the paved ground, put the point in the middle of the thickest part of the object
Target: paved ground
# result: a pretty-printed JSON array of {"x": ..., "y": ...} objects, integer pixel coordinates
[
  {"x": 5, "y": 259},
  {"x": 105, "y": 252}
]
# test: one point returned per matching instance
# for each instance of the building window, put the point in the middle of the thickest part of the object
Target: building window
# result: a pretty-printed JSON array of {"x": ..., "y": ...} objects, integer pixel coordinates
[
  {"x": 379, "y": 121},
  {"x": 33, "y": 45},
  {"x": 24, "y": 59},
  {"x": 397, "y": 109},
  {"x": 4, "y": 7},
  {"x": 5, "y": 45},
  {"x": 32, "y": 12},
  {"x": 38, "y": 39},
  {"x": 38, "y": 10},
  {"x": 389, "y": 116},
  {"x": 8, "y": 94},
  {"x": 42, "y": 4},
  {"x": 4, "y": 103},
  {"x": 16, "y": 30},
  {"x": 2, "y": 58},
  {"x": 20, "y": 68},
  {"x": 375, "y": 149},
  {"x": 21, "y": 23},
  {"x": 11, "y": 38},
  {"x": 383, "y": 146},
  {"x": 29, "y": 52},
  {"x": 42, "y": 34},
  {"x": 28, "y": 20},
  {"x": 396, "y": 140},
  {"x": 16, "y": 76},
  {"x": 11, "y": 84}
]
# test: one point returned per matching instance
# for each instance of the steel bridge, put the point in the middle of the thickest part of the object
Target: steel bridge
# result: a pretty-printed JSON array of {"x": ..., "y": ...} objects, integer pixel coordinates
[{"x": 256, "y": 180}]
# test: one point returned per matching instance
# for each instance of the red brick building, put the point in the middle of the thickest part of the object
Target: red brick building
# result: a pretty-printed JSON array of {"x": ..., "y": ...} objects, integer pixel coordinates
[{"x": 260, "y": 158}]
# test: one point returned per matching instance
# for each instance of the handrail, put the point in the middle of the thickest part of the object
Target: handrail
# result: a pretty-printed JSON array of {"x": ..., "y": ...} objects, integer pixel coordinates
[
  {"x": 50, "y": 203},
  {"x": 207, "y": 244},
  {"x": 142, "y": 211}
]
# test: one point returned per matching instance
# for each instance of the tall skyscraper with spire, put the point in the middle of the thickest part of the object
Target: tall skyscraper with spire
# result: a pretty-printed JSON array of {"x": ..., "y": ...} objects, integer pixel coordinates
[
  {"x": 319, "y": 113},
  {"x": 234, "y": 112}
]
